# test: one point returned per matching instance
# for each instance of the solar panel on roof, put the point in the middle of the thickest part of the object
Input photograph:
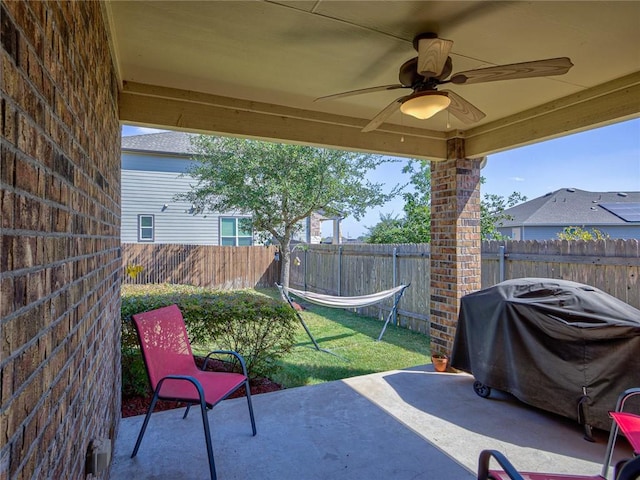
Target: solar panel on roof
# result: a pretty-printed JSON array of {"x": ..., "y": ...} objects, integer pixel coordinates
[{"x": 627, "y": 211}]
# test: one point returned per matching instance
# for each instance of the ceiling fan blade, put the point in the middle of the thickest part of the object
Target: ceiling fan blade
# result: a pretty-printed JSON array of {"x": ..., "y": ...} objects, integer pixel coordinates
[
  {"x": 432, "y": 55},
  {"x": 360, "y": 92},
  {"x": 462, "y": 109},
  {"x": 538, "y": 68},
  {"x": 384, "y": 114}
]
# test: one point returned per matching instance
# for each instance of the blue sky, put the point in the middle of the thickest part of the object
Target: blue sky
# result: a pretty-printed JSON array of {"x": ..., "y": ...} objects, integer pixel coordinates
[{"x": 603, "y": 159}]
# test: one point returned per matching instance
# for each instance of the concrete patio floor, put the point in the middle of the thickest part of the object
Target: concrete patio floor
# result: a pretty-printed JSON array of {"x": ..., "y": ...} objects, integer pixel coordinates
[{"x": 404, "y": 424}]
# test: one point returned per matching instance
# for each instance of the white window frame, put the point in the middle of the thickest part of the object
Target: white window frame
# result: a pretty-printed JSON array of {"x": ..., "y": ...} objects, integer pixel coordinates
[
  {"x": 141, "y": 238},
  {"x": 236, "y": 237}
]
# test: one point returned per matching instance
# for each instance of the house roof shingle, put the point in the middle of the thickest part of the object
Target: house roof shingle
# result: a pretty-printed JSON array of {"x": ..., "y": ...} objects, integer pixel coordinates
[
  {"x": 569, "y": 206},
  {"x": 178, "y": 143}
]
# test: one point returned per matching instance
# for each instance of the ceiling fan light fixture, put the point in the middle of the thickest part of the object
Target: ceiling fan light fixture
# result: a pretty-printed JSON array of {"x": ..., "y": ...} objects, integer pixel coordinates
[{"x": 425, "y": 104}]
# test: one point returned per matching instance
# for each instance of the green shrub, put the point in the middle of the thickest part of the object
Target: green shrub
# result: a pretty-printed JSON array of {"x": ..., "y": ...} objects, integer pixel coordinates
[{"x": 261, "y": 329}]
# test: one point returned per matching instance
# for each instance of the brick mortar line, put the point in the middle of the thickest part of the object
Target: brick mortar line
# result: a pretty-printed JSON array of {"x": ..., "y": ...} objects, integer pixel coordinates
[
  {"x": 52, "y": 295},
  {"x": 64, "y": 394},
  {"x": 47, "y": 329},
  {"x": 62, "y": 92},
  {"x": 43, "y": 134},
  {"x": 38, "y": 268},
  {"x": 72, "y": 188},
  {"x": 33, "y": 233}
]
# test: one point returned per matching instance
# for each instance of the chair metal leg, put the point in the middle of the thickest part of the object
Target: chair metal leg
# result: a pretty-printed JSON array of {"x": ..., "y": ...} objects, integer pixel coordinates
[
  {"x": 145, "y": 423},
  {"x": 186, "y": 412},
  {"x": 248, "y": 392},
  {"x": 207, "y": 438}
]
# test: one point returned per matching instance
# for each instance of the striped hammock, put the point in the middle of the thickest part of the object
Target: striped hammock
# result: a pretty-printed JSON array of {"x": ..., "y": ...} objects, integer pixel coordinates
[{"x": 346, "y": 302}]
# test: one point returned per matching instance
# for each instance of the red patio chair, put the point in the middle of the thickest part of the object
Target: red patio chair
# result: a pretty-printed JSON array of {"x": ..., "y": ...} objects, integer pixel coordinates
[
  {"x": 173, "y": 373},
  {"x": 630, "y": 470},
  {"x": 629, "y": 423}
]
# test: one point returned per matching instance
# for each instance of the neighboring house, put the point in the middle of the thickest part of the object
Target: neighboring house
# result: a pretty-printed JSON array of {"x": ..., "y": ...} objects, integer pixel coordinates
[
  {"x": 616, "y": 214},
  {"x": 153, "y": 168}
]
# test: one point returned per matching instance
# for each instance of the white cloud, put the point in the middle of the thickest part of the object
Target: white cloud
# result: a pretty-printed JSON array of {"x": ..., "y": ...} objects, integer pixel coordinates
[{"x": 517, "y": 179}]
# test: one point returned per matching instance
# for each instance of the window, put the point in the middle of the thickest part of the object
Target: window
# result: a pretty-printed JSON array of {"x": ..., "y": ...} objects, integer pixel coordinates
[
  {"x": 146, "y": 227},
  {"x": 236, "y": 232}
]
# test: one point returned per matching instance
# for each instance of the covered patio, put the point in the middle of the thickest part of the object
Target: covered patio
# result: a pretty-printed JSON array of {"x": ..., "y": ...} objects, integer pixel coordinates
[
  {"x": 405, "y": 424},
  {"x": 74, "y": 72},
  {"x": 257, "y": 70}
]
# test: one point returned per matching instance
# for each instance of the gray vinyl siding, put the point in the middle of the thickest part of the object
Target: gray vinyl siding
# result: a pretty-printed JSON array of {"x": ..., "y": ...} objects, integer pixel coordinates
[
  {"x": 625, "y": 232},
  {"x": 149, "y": 181},
  {"x": 155, "y": 162},
  {"x": 146, "y": 193},
  {"x": 547, "y": 232}
]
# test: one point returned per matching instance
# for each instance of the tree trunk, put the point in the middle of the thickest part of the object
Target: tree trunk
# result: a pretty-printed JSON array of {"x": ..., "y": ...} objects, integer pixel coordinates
[{"x": 285, "y": 257}]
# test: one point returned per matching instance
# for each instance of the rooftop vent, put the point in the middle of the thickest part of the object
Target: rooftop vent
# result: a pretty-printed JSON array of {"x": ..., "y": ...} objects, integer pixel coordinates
[
  {"x": 622, "y": 194},
  {"x": 571, "y": 190}
]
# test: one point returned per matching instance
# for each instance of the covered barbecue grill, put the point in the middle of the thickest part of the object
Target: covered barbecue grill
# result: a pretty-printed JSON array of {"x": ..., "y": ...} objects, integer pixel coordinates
[{"x": 562, "y": 346}]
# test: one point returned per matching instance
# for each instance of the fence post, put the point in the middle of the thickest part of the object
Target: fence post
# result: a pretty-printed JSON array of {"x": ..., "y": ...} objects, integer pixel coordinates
[
  {"x": 339, "y": 270},
  {"x": 305, "y": 269},
  {"x": 395, "y": 280},
  {"x": 501, "y": 259}
]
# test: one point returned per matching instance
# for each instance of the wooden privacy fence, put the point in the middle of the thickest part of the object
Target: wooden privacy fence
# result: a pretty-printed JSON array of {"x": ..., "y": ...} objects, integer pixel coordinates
[
  {"x": 359, "y": 269},
  {"x": 201, "y": 265},
  {"x": 610, "y": 265}
]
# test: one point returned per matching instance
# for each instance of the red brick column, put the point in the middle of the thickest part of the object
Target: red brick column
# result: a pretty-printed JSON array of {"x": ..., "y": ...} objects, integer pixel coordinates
[{"x": 455, "y": 240}]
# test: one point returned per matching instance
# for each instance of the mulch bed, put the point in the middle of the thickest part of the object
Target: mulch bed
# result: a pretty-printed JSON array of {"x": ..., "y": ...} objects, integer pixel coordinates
[{"x": 138, "y": 405}]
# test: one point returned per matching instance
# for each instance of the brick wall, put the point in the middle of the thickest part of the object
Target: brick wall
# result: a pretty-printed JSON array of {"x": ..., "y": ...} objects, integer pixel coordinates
[
  {"x": 59, "y": 249},
  {"x": 455, "y": 240}
]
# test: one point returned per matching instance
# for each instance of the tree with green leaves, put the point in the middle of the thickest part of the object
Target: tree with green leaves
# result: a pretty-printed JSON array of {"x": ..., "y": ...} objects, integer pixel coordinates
[
  {"x": 415, "y": 225},
  {"x": 417, "y": 203},
  {"x": 492, "y": 214},
  {"x": 390, "y": 229},
  {"x": 579, "y": 233},
  {"x": 279, "y": 184}
]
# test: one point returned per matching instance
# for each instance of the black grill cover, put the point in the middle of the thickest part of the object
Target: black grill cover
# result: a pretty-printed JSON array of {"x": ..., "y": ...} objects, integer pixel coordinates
[{"x": 548, "y": 342}]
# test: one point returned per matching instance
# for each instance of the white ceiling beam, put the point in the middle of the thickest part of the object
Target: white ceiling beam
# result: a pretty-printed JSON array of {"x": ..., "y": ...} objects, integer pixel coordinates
[
  {"x": 595, "y": 107},
  {"x": 170, "y": 108}
]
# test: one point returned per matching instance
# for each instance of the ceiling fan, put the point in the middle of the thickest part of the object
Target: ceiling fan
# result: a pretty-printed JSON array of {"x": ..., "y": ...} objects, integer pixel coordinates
[{"x": 432, "y": 67}]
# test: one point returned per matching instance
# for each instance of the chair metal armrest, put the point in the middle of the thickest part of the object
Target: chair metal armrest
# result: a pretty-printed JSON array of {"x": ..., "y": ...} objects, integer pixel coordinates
[
  {"x": 483, "y": 465},
  {"x": 626, "y": 395},
  {"x": 239, "y": 357},
  {"x": 186, "y": 378}
]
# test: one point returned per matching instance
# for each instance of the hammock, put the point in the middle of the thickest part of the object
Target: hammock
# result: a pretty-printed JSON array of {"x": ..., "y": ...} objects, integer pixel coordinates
[
  {"x": 346, "y": 302},
  {"x": 343, "y": 302}
]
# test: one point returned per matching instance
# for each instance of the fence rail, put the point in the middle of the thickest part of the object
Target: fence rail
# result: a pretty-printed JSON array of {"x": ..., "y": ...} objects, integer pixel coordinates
[
  {"x": 612, "y": 266},
  {"x": 360, "y": 269},
  {"x": 201, "y": 265}
]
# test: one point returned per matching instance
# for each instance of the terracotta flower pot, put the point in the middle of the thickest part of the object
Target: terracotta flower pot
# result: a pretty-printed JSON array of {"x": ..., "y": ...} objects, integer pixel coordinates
[{"x": 439, "y": 362}]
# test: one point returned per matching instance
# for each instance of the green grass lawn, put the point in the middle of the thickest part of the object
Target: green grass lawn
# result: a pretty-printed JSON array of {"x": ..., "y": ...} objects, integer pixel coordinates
[{"x": 352, "y": 338}]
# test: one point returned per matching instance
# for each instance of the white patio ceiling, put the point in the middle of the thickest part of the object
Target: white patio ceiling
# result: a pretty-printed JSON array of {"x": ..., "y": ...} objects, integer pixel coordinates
[{"x": 253, "y": 68}]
